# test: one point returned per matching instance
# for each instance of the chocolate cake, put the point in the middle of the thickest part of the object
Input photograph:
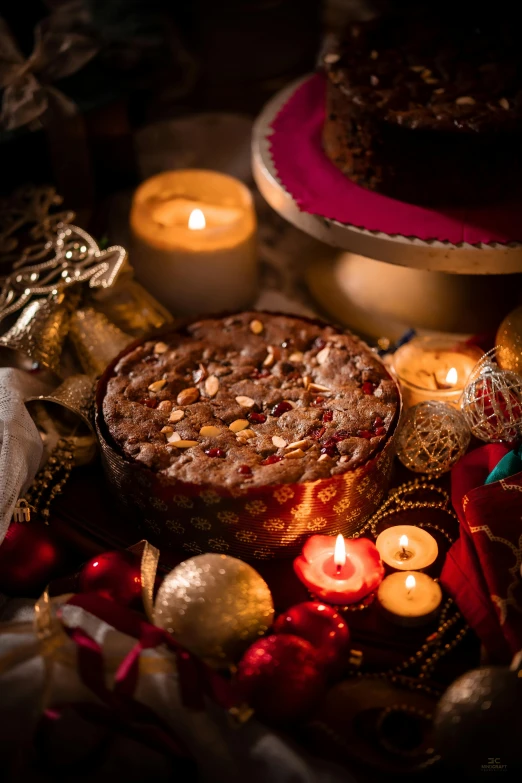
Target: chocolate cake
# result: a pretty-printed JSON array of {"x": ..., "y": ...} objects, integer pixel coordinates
[
  {"x": 250, "y": 400},
  {"x": 427, "y": 109}
]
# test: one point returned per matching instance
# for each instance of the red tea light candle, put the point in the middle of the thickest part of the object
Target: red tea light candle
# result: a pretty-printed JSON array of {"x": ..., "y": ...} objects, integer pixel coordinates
[
  {"x": 407, "y": 547},
  {"x": 409, "y": 598},
  {"x": 339, "y": 571}
]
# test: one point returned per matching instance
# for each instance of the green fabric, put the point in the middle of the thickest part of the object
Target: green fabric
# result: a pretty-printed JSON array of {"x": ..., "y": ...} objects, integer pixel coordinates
[{"x": 508, "y": 466}]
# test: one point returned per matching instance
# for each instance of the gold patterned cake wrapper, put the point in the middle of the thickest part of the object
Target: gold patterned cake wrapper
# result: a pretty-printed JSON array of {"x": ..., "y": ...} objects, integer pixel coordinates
[{"x": 254, "y": 524}]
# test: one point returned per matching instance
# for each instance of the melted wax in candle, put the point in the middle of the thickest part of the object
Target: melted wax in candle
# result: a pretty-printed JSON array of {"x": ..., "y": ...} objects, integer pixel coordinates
[{"x": 346, "y": 571}]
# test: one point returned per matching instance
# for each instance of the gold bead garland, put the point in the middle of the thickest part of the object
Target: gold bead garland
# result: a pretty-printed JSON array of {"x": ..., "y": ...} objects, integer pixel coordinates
[
  {"x": 51, "y": 479},
  {"x": 424, "y": 658},
  {"x": 395, "y": 503},
  {"x": 434, "y": 647},
  {"x": 359, "y": 607},
  {"x": 439, "y": 529}
]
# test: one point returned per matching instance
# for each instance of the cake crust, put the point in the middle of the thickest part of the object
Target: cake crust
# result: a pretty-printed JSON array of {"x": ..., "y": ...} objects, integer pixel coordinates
[{"x": 252, "y": 399}]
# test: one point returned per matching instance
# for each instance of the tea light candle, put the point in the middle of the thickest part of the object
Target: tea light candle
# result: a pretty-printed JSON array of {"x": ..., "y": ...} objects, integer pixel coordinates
[
  {"x": 433, "y": 368},
  {"x": 409, "y": 598},
  {"x": 337, "y": 570},
  {"x": 194, "y": 241},
  {"x": 407, "y": 547}
]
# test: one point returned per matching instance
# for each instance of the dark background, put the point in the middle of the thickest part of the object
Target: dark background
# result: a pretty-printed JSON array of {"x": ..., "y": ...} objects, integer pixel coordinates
[
  {"x": 160, "y": 59},
  {"x": 157, "y": 59}
]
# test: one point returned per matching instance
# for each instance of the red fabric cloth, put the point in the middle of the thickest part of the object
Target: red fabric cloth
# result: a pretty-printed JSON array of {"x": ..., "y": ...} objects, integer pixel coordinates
[
  {"x": 320, "y": 188},
  {"x": 482, "y": 569}
]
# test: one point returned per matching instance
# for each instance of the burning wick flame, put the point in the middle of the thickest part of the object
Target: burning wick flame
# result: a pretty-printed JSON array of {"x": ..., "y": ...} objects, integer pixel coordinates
[
  {"x": 339, "y": 553},
  {"x": 452, "y": 376},
  {"x": 410, "y": 583},
  {"x": 403, "y": 553},
  {"x": 196, "y": 220}
]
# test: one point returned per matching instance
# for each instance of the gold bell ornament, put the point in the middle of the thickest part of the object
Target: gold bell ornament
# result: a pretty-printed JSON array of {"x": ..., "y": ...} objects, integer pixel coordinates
[
  {"x": 96, "y": 340},
  {"x": 36, "y": 338}
]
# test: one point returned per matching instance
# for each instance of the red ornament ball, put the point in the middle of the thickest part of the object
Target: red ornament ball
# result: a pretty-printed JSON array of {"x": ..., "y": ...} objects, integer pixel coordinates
[
  {"x": 114, "y": 575},
  {"x": 281, "y": 678},
  {"x": 320, "y": 625},
  {"x": 30, "y": 557}
]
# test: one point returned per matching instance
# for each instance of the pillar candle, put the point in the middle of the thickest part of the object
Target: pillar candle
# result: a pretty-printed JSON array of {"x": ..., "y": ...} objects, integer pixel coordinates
[{"x": 193, "y": 241}]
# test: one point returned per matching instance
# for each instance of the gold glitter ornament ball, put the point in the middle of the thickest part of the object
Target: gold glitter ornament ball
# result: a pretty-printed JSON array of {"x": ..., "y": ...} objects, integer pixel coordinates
[
  {"x": 215, "y": 606},
  {"x": 509, "y": 342}
]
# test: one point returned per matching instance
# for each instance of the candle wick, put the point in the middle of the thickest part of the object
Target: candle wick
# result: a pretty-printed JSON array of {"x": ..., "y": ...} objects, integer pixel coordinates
[
  {"x": 439, "y": 384},
  {"x": 338, "y": 569}
]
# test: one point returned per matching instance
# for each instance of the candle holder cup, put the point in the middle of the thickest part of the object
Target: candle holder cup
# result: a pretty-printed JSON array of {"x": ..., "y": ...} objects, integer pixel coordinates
[{"x": 434, "y": 368}]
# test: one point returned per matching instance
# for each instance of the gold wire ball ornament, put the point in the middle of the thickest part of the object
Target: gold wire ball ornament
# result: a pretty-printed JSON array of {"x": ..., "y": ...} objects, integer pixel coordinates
[
  {"x": 214, "y": 605},
  {"x": 433, "y": 437},
  {"x": 509, "y": 342},
  {"x": 492, "y": 401}
]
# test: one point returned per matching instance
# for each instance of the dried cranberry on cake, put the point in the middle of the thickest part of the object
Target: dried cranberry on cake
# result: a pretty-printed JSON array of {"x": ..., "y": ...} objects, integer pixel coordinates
[{"x": 251, "y": 400}]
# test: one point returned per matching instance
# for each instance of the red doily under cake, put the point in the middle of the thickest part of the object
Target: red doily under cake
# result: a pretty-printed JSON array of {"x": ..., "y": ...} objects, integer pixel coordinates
[{"x": 319, "y": 188}]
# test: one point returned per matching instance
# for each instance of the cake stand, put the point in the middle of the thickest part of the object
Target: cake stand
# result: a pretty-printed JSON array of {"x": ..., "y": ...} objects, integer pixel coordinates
[{"x": 384, "y": 283}]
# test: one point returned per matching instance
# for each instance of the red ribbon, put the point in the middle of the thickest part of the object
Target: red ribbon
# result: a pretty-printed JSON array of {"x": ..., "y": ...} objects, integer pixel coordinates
[
  {"x": 119, "y": 710},
  {"x": 195, "y": 678}
]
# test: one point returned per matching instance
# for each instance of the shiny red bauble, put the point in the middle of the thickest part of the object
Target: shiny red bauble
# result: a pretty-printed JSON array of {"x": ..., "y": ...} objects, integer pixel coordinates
[
  {"x": 30, "y": 557},
  {"x": 114, "y": 575},
  {"x": 320, "y": 625},
  {"x": 281, "y": 678}
]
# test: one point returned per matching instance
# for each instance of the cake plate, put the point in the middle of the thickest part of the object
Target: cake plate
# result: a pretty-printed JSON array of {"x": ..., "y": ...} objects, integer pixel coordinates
[{"x": 387, "y": 282}]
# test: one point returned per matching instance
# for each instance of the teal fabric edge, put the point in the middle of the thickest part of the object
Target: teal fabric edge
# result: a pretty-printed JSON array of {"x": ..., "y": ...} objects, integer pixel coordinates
[{"x": 508, "y": 466}]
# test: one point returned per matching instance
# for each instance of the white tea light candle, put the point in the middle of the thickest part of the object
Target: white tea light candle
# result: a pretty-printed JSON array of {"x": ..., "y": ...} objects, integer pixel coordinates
[
  {"x": 434, "y": 368},
  {"x": 409, "y": 599},
  {"x": 407, "y": 547},
  {"x": 194, "y": 241}
]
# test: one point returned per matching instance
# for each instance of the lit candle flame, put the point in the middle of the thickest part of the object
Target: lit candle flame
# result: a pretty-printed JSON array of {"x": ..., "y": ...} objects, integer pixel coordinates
[
  {"x": 403, "y": 541},
  {"x": 196, "y": 220},
  {"x": 339, "y": 552},
  {"x": 410, "y": 583},
  {"x": 452, "y": 376}
]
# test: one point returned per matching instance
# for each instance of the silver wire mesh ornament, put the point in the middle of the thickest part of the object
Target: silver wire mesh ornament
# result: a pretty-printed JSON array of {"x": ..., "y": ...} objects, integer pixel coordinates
[
  {"x": 492, "y": 401},
  {"x": 432, "y": 438}
]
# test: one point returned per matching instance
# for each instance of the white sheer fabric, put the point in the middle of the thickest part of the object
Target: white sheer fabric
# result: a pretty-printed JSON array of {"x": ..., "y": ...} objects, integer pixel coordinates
[
  {"x": 20, "y": 442},
  {"x": 223, "y": 752}
]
